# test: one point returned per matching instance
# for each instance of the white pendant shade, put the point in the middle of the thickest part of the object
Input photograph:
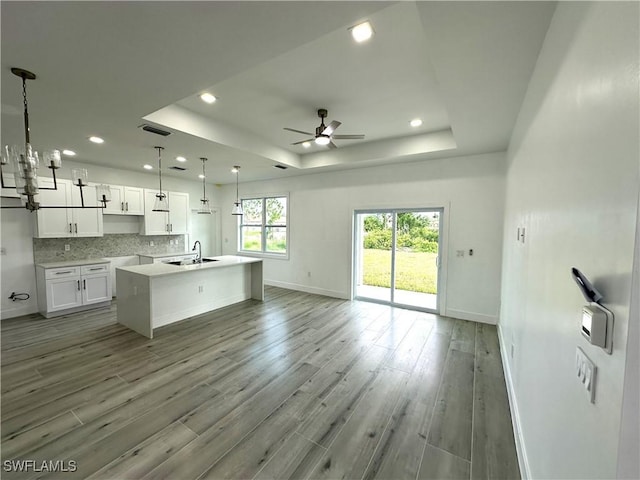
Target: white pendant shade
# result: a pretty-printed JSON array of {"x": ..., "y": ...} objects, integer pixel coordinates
[
  {"x": 161, "y": 204},
  {"x": 237, "y": 209}
]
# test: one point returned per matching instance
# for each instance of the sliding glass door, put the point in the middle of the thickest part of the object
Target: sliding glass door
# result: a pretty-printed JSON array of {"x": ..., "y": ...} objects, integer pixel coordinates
[{"x": 397, "y": 257}]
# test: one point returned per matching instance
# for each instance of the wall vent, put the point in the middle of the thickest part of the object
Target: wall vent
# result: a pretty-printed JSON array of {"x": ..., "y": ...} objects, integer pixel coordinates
[
  {"x": 180, "y": 169},
  {"x": 151, "y": 129},
  {"x": 281, "y": 167}
]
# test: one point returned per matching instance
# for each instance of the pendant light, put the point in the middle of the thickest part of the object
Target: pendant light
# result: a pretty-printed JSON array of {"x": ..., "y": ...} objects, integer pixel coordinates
[
  {"x": 205, "y": 208},
  {"x": 161, "y": 204},
  {"x": 237, "y": 206},
  {"x": 26, "y": 163}
]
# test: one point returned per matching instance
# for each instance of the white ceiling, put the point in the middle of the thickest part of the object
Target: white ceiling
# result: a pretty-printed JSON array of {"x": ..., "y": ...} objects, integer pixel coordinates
[{"x": 104, "y": 68}]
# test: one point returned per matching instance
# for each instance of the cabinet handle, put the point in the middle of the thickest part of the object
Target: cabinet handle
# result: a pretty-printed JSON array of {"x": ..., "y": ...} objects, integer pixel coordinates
[
  {"x": 122, "y": 206},
  {"x": 94, "y": 269},
  {"x": 78, "y": 285},
  {"x": 70, "y": 228},
  {"x": 76, "y": 227},
  {"x": 127, "y": 204},
  {"x": 84, "y": 284},
  {"x": 62, "y": 273},
  {"x": 171, "y": 227}
]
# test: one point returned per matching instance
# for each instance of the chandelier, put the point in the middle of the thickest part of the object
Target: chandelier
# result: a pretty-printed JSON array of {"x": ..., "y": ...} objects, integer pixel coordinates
[{"x": 26, "y": 162}]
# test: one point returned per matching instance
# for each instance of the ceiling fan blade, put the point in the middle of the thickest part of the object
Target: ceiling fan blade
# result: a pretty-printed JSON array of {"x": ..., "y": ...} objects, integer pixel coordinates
[
  {"x": 348, "y": 137},
  {"x": 329, "y": 129},
  {"x": 303, "y": 141},
  {"x": 332, "y": 145},
  {"x": 297, "y": 131}
]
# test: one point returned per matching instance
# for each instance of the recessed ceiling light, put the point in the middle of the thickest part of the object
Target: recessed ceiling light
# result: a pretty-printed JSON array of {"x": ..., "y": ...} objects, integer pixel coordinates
[
  {"x": 362, "y": 32},
  {"x": 234, "y": 170},
  {"x": 323, "y": 140},
  {"x": 181, "y": 159},
  {"x": 416, "y": 122},
  {"x": 207, "y": 97},
  {"x": 306, "y": 144},
  {"x": 96, "y": 140},
  {"x": 147, "y": 167},
  {"x": 201, "y": 176},
  {"x": 69, "y": 153}
]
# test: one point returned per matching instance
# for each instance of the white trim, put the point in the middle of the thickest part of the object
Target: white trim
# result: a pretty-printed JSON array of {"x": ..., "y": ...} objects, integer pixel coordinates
[
  {"x": 18, "y": 311},
  {"x": 264, "y": 253},
  {"x": 472, "y": 316},
  {"x": 308, "y": 289},
  {"x": 523, "y": 461}
]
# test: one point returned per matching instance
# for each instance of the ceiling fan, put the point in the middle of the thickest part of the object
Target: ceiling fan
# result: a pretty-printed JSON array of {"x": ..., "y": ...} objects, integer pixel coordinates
[{"x": 324, "y": 133}]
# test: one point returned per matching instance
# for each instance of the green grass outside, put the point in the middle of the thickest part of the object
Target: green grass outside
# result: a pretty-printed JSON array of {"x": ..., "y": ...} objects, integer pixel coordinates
[{"x": 415, "y": 271}]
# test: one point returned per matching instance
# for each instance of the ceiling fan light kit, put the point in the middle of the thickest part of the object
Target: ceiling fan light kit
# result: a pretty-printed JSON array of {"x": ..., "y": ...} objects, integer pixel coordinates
[
  {"x": 324, "y": 135},
  {"x": 26, "y": 163}
]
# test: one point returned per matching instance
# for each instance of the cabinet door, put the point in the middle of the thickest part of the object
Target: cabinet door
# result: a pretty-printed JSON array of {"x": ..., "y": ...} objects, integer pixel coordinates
[
  {"x": 116, "y": 205},
  {"x": 63, "y": 293},
  {"x": 96, "y": 288},
  {"x": 53, "y": 222},
  {"x": 178, "y": 213},
  {"x": 133, "y": 201},
  {"x": 155, "y": 223},
  {"x": 87, "y": 222}
]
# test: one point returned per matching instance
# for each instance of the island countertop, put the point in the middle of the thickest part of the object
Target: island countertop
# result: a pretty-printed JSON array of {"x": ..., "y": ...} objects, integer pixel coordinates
[{"x": 162, "y": 269}]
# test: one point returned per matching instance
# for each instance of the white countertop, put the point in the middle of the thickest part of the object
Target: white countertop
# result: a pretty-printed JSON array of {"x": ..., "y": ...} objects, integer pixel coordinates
[
  {"x": 160, "y": 269},
  {"x": 73, "y": 263},
  {"x": 162, "y": 255}
]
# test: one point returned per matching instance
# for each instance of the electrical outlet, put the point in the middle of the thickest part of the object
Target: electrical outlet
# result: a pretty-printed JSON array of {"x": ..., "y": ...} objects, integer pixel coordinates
[
  {"x": 67, "y": 247},
  {"x": 200, "y": 288},
  {"x": 586, "y": 373},
  {"x": 309, "y": 274},
  {"x": 151, "y": 244},
  {"x": 459, "y": 253}
]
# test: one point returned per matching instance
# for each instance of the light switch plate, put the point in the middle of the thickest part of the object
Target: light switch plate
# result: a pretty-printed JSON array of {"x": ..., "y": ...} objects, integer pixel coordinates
[{"x": 586, "y": 373}]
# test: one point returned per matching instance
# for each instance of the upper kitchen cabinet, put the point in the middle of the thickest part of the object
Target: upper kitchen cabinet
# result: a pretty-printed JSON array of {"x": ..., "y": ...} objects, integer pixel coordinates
[
  {"x": 174, "y": 222},
  {"x": 125, "y": 201},
  {"x": 67, "y": 222}
]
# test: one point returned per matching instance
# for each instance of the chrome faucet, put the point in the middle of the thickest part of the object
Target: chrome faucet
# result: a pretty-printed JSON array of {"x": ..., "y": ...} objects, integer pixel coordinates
[{"x": 199, "y": 256}]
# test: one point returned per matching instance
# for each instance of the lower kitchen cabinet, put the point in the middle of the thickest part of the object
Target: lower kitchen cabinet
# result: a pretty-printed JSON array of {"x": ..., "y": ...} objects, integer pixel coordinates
[{"x": 65, "y": 287}]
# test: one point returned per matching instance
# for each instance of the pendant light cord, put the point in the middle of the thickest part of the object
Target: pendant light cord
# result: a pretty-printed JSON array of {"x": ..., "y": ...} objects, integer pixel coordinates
[
  {"x": 204, "y": 186},
  {"x": 27, "y": 134},
  {"x": 160, "y": 168}
]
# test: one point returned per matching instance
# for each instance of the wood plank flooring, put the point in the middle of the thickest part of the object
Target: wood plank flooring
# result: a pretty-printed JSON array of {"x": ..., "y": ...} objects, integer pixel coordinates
[{"x": 298, "y": 386}]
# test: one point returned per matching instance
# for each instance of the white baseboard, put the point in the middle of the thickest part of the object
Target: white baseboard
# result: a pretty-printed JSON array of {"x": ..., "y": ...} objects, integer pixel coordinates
[
  {"x": 307, "y": 289},
  {"x": 523, "y": 461},
  {"x": 471, "y": 316},
  {"x": 19, "y": 311}
]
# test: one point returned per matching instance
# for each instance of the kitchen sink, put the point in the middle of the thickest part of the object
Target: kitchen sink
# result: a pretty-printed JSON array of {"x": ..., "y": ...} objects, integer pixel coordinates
[{"x": 192, "y": 262}]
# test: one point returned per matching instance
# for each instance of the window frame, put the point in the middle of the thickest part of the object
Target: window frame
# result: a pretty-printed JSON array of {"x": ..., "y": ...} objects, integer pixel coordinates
[{"x": 262, "y": 253}]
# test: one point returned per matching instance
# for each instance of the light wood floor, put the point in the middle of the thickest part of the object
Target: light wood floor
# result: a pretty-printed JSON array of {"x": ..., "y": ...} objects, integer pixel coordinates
[{"x": 300, "y": 386}]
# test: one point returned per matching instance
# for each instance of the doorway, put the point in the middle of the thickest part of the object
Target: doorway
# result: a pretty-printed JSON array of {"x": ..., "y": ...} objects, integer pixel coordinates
[{"x": 397, "y": 257}]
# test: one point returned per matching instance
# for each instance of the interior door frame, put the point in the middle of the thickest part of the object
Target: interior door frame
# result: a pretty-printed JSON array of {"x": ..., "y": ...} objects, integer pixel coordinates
[{"x": 443, "y": 228}]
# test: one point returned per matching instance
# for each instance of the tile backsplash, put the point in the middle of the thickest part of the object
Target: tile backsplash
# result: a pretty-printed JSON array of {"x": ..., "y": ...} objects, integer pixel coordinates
[{"x": 111, "y": 245}]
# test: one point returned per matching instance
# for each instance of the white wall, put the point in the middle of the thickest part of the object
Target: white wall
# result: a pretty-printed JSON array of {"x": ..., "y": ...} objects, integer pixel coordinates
[
  {"x": 321, "y": 214},
  {"x": 572, "y": 182},
  {"x": 17, "y": 267}
]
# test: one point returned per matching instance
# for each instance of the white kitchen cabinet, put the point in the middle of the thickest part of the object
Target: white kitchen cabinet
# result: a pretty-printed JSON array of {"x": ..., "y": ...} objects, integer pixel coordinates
[
  {"x": 72, "y": 287},
  {"x": 174, "y": 222},
  {"x": 125, "y": 201},
  {"x": 67, "y": 222}
]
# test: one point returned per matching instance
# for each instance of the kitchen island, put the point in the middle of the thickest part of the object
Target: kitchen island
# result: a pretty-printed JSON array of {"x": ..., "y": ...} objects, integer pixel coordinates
[{"x": 151, "y": 296}]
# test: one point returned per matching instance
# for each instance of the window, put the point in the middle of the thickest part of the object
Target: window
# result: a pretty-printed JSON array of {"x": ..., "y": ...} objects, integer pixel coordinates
[{"x": 263, "y": 227}]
